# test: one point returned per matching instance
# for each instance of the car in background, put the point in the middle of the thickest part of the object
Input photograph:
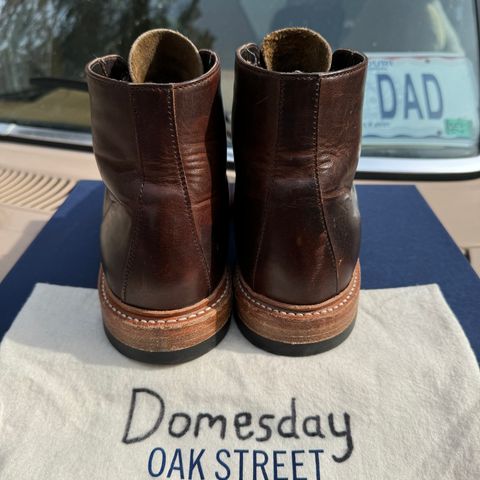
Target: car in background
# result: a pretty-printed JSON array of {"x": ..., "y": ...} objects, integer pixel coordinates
[{"x": 421, "y": 111}]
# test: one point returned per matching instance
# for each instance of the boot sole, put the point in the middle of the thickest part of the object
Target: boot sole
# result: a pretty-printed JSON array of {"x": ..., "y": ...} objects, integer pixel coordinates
[
  {"x": 166, "y": 336},
  {"x": 296, "y": 330}
]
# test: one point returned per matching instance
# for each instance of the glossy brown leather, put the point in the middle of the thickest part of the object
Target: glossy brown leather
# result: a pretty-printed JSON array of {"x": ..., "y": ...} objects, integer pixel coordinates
[
  {"x": 161, "y": 151},
  {"x": 296, "y": 139}
]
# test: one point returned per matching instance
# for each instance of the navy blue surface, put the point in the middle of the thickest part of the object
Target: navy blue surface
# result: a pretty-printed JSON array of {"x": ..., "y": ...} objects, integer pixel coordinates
[{"x": 403, "y": 244}]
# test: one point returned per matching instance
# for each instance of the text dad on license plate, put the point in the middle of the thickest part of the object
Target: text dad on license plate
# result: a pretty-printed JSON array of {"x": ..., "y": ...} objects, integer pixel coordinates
[{"x": 421, "y": 96}]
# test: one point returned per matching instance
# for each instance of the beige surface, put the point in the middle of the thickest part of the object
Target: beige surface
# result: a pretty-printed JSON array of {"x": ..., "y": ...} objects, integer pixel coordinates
[
  {"x": 54, "y": 161},
  {"x": 474, "y": 254},
  {"x": 457, "y": 204}
]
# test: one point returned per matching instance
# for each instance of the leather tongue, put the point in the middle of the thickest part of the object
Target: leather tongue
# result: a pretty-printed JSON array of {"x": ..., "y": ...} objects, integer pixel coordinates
[
  {"x": 296, "y": 49},
  {"x": 164, "y": 56}
]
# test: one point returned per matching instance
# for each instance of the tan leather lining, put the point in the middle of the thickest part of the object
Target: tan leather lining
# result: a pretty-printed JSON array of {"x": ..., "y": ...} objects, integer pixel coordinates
[{"x": 164, "y": 56}]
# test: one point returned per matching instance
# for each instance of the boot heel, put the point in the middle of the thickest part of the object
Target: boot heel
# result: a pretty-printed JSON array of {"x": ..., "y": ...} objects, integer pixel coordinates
[
  {"x": 166, "y": 336},
  {"x": 296, "y": 330}
]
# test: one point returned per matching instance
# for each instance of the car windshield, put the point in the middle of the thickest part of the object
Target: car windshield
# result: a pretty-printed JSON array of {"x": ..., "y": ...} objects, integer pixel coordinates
[{"x": 422, "y": 86}]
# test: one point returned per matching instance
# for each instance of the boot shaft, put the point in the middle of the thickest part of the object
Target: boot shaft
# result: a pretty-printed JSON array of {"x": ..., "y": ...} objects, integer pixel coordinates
[
  {"x": 161, "y": 151},
  {"x": 296, "y": 142}
]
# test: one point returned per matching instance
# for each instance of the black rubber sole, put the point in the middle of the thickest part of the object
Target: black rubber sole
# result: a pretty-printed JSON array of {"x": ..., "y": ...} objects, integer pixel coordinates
[
  {"x": 169, "y": 358},
  {"x": 293, "y": 350}
]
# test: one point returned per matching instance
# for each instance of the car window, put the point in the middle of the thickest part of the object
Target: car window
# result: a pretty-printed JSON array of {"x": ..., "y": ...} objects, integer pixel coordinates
[{"x": 422, "y": 86}]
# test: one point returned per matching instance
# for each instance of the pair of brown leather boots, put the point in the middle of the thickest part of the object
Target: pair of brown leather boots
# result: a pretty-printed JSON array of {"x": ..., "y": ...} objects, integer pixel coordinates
[{"x": 159, "y": 140}]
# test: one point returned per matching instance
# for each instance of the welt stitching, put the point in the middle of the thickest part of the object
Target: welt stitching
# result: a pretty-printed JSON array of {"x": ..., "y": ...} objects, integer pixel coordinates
[
  {"x": 266, "y": 202},
  {"x": 316, "y": 100},
  {"x": 347, "y": 299},
  {"x": 138, "y": 209},
  {"x": 172, "y": 320},
  {"x": 183, "y": 181}
]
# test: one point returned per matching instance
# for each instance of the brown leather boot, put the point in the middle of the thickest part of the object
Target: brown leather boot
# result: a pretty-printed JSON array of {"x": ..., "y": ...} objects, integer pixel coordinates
[
  {"x": 296, "y": 136},
  {"x": 159, "y": 140}
]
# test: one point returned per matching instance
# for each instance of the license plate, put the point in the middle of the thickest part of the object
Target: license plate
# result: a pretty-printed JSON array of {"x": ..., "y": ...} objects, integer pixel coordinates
[{"x": 421, "y": 98}]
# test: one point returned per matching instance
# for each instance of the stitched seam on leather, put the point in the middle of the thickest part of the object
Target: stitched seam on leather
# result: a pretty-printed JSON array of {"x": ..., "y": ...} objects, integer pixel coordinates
[
  {"x": 183, "y": 181},
  {"x": 111, "y": 82},
  {"x": 299, "y": 314},
  {"x": 138, "y": 210},
  {"x": 174, "y": 320},
  {"x": 272, "y": 74},
  {"x": 292, "y": 76},
  {"x": 196, "y": 83},
  {"x": 316, "y": 113},
  {"x": 271, "y": 175}
]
